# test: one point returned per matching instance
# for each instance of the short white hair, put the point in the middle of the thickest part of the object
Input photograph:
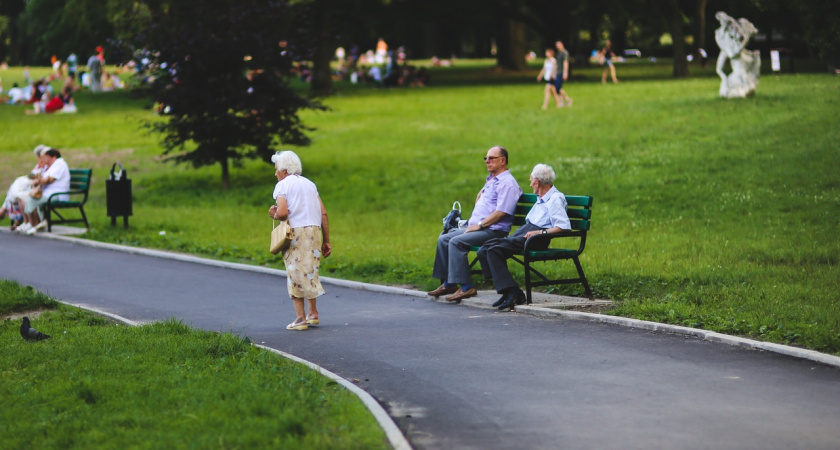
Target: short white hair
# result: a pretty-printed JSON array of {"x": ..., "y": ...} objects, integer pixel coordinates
[
  {"x": 40, "y": 149},
  {"x": 287, "y": 160},
  {"x": 543, "y": 173}
]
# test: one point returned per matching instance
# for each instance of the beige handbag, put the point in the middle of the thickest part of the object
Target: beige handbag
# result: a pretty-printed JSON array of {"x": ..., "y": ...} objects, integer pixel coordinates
[{"x": 281, "y": 237}]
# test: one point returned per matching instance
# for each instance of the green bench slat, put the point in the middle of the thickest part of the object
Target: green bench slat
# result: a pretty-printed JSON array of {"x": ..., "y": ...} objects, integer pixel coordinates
[
  {"x": 80, "y": 180},
  {"x": 579, "y": 213},
  {"x": 66, "y": 204}
]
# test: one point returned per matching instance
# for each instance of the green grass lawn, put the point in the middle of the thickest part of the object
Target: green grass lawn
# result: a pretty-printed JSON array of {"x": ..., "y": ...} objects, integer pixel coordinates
[
  {"x": 718, "y": 214},
  {"x": 98, "y": 384}
]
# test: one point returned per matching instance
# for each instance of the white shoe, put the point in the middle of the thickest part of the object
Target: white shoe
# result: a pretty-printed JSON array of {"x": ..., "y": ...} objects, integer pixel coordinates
[
  {"x": 23, "y": 228},
  {"x": 33, "y": 230}
]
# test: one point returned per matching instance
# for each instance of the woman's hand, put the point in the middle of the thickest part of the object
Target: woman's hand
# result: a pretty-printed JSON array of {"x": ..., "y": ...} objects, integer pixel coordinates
[
  {"x": 272, "y": 212},
  {"x": 326, "y": 249}
]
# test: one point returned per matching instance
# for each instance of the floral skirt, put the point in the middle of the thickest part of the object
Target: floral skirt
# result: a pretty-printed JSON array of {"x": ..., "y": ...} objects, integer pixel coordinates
[{"x": 303, "y": 262}]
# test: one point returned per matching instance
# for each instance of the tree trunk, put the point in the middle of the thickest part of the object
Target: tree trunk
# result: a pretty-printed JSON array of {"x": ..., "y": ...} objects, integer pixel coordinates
[
  {"x": 321, "y": 71},
  {"x": 700, "y": 30},
  {"x": 510, "y": 45},
  {"x": 675, "y": 22},
  {"x": 225, "y": 173}
]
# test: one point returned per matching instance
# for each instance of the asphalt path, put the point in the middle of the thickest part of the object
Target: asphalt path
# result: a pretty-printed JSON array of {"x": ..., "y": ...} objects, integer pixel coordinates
[{"x": 453, "y": 376}]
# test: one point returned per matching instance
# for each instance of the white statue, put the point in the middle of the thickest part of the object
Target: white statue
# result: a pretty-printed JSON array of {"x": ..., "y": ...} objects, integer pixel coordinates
[{"x": 732, "y": 38}]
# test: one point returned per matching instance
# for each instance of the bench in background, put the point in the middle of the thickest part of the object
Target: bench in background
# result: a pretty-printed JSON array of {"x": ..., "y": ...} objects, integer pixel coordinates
[{"x": 79, "y": 186}]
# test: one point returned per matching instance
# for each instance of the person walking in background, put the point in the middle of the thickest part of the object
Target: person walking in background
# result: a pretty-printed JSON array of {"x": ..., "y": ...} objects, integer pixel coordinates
[
  {"x": 492, "y": 217},
  {"x": 94, "y": 66},
  {"x": 72, "y": 65},
  {"x": 548, "y": 215},
  {"x": 548, "y": 73},
  {"x": 607, "y": 56},
  {"x": 297, "y": 201},
  {"x": 562, "y": 57}
]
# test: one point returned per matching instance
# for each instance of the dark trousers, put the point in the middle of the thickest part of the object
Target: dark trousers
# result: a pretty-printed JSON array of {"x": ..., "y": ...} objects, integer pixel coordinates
[
  {"x": 451, "y": 263},
  {"x": 494, "y": 254}
]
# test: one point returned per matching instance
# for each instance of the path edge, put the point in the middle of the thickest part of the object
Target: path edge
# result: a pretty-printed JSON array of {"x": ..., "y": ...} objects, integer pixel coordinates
[
  {"x": 395, "y": 437},
  {"x": 711, "y": 336}
]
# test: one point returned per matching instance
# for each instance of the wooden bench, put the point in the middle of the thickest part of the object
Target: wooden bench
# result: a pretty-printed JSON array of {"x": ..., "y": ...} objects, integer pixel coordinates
[
  {"x": 79, "y": 187},
  {"x": 580, "y": 212}
]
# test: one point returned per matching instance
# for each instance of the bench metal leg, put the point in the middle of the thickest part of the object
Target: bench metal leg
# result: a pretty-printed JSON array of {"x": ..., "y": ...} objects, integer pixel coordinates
[
  {"x": 527, "y": 282},
  {"x": 84, "y": 217},
  {"x": 583, "y": 278}
]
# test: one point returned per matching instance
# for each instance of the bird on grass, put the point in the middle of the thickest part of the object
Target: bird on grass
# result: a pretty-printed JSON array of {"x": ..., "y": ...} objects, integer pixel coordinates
[{"x": 29, "y": 333}]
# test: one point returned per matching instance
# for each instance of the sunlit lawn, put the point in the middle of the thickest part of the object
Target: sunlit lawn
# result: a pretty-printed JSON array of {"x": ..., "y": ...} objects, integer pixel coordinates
[{"x": 710, "y": 213}]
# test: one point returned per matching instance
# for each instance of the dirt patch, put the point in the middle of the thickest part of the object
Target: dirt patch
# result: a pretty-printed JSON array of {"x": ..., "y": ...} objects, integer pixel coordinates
[
  {"x": 19, "y": 315},
  {"x": 595, "y": 309}
]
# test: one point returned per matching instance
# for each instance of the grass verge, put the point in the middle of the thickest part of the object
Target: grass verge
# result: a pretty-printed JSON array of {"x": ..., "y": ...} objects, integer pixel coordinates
[{"x": 99, "y": 384}]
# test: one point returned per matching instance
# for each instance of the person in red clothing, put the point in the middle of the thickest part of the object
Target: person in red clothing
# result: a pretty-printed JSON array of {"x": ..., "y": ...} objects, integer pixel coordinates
[{"x": 52, "y": 103}]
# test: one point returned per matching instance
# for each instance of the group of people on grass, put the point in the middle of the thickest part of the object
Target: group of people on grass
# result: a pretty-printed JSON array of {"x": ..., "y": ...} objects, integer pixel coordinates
[
  {"x": 40, "y": 94},
  {"x": 297, "y": 201},
  {"x": 28, "y": 194}
]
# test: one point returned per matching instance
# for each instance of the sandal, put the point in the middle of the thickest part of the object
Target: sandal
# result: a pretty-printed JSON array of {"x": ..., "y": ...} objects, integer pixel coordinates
[
  {"x": 297, "y": 326},
  {"x": 312, "y": 320}
]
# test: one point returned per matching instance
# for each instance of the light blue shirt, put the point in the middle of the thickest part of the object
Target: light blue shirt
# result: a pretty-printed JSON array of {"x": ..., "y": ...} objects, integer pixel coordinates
[
  {"x": 550, "y": 211},
  {"x": 500, "y": 193}
]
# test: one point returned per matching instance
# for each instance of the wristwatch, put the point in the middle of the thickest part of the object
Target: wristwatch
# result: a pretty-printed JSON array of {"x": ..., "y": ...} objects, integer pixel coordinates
[
  {"x": 480, "y": 225},
  {"x": 544, "y": 231}
]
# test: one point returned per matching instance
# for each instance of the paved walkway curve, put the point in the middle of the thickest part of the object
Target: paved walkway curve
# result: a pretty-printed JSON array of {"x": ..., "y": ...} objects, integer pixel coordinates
[{"x": 459, "y": 377}]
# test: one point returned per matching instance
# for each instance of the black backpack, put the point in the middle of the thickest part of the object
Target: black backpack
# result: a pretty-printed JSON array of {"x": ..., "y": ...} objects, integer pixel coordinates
[{"x": 451, "y": 220}]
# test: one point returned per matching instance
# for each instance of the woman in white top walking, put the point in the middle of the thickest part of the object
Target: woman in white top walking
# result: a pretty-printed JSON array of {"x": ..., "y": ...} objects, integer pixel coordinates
[
  {"x": 549, "y": 73},
  {"x": 298, "y": 202}
]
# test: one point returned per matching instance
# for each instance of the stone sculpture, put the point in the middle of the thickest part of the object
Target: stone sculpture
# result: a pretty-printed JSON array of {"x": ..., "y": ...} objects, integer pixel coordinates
[{"x": 732, "y": 38}]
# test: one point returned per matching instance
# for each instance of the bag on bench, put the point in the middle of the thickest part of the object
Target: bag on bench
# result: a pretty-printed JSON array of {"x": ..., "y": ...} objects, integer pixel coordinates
[{"x": 452, "y": 219}]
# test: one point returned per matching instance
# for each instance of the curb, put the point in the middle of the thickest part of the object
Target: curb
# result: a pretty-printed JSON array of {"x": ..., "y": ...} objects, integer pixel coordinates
[
  {"x": 711, "y": 336},
  {"x": 395, "y": 437}
]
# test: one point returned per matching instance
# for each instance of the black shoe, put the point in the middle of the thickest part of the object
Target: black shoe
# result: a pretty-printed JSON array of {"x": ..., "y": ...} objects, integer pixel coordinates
[
  {"x": 517, "y": 298},
  {"x": 503, "y": 299}
]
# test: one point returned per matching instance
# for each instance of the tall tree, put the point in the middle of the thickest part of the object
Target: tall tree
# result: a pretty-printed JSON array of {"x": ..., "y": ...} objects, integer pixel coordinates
[
  {"x": 676, "y": 24},
  {"x": 220, "y": 81}
]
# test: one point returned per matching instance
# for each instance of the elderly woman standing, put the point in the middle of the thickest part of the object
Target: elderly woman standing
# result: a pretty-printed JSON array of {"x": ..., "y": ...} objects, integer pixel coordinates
[{"x": 298, "y": 202}]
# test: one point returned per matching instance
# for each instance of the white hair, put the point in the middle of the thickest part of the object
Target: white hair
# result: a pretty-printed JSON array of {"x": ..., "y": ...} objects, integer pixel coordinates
[
  {"x": 287, "y": 160},
  {"x": 40, "y": 149},
  {"x": 544, "y": 174}
]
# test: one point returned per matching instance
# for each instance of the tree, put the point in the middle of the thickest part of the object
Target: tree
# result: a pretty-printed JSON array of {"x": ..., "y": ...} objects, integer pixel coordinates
[{"x": 219, "y": 80}]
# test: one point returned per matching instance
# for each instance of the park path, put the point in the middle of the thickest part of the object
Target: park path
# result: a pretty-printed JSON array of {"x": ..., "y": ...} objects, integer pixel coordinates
[{"x": 453, "y": 376}]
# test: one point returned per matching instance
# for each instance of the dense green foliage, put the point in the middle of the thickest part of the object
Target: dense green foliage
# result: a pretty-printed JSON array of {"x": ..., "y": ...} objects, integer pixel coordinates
[
  {"x": 96, "y": 384},
  {"x": 710, "y": 213}
]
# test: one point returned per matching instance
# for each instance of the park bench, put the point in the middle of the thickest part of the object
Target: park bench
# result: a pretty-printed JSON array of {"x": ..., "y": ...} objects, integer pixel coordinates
[
  {"x": 79, "y": 187},
  {"x": 580, "y": 212}
]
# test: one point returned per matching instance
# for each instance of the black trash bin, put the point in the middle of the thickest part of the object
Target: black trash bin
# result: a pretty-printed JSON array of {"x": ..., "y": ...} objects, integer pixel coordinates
[{"x": 118, "y": 195}]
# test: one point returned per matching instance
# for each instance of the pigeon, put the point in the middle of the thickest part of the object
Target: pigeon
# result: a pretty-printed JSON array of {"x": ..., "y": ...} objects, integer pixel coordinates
[{"x": 29, "y": 333}]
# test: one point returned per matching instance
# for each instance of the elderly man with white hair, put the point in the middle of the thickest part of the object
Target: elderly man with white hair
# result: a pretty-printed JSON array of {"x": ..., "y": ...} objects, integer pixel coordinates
[{"x": 548, "y": 215}]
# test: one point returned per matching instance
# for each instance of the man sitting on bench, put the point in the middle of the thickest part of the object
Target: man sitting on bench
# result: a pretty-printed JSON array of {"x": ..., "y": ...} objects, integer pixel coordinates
[
  {"x": 548, "y": 215},
  {"x": 491, "y": 218}
]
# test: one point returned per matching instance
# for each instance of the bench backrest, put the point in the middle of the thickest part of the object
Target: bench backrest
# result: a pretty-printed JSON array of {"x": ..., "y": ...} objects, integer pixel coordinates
[
  {"x": 579, "y": 210},
  {"x": 80, "y": 179}
]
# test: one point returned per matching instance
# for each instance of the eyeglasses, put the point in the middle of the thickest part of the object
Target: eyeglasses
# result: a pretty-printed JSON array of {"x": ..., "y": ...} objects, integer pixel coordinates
[{"x": 491, "y": 158}]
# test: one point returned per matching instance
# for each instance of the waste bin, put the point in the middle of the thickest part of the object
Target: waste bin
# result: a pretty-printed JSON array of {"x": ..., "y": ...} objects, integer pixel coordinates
[{"x": 118, "y": 195}]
